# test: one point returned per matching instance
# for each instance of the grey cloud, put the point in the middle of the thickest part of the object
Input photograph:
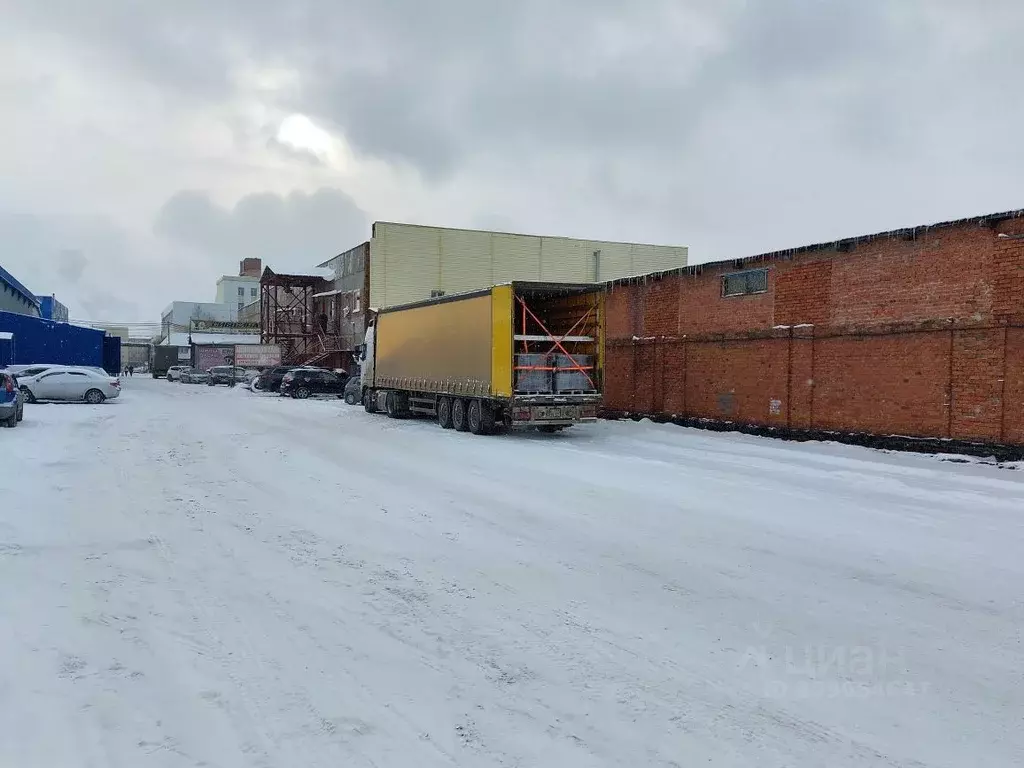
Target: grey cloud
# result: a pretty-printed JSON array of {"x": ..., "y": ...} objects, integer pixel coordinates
[
  {"x": 71, "y": 265},
  {"x": 82, "y": 262},
  {"x": 807, "y": 118},
  {"x": 290, "y": 233},
  {"x": 434, "y": 84},
  {"x": 301, "y": 155}
]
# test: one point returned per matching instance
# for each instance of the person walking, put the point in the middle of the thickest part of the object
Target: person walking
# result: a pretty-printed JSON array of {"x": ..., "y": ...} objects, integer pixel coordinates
[{"x": 131, "y": 370}]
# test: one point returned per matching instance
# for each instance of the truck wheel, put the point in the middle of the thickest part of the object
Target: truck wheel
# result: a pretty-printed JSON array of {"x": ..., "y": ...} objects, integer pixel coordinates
[
  {"x": 444, "y": 412},
  {"x": 392, "y": 405},
  {"x": 480, "y": 417},
  {"x": 459, "y": 420},
  {"x": 370, "y": 401}
]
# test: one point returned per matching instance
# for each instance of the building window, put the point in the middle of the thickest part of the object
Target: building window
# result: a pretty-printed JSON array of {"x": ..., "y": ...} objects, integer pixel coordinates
[
  {"x": 436, "y": 294},
  {"x": 745, "y": 283},
  {"x": 241, "y": 291},
  {"x": 240, "y": 305},
  {"x": 252, "y": 293}
]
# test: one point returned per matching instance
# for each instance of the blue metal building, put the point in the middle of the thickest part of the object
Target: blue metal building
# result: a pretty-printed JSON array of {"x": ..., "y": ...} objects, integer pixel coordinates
[
  {"x": 44, "y": 341},
  {"x": 51, "y": 309},
  {"x": 15, "y": 297}
]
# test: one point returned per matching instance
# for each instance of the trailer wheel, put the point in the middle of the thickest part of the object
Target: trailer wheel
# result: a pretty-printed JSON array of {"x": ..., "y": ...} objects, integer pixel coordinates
[
  {"x": 393, "y": 406},
  {"x": 444, "y": 412},
  {"x": 370, "y": 400},
  {"x": 459, "y": 420},
  {"x": 480, "y": 416}
]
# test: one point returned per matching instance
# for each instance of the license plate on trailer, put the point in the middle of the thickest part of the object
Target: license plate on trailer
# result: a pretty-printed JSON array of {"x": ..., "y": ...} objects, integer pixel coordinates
[{"x": 556, "y": 412}]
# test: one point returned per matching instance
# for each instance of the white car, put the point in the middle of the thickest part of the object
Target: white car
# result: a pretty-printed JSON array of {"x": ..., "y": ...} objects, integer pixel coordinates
[
  {"x": 29, "y": 371},
  {"x": 175, "y": 371},
  {"x": 65, "y": 383}
]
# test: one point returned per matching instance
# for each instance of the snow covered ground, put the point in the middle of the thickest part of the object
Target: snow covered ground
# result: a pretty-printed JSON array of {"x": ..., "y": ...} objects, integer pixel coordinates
[{"x": 207, "y": 577}]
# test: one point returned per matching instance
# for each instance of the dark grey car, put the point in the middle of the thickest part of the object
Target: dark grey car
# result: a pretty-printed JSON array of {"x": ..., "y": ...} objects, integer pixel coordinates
[{"x": 354, "y": 390}]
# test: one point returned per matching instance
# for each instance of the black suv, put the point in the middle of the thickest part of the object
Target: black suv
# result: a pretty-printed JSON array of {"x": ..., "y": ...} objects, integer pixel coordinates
[
  {"x": 270, "y": 379},
  {"x": 311, "y": 382}
]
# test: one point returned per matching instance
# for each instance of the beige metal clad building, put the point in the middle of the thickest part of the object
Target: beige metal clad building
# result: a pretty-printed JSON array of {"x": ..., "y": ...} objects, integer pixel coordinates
[{"x": 409, "y": 262}]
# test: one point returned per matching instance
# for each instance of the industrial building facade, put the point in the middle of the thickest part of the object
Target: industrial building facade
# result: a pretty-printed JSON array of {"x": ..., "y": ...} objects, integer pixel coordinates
[
  {"x": 323, "y": 321},
  {"x": 408, "y": 262},
  {"x": 916, "y": 332},
  {"x": 15, "y": 297}
]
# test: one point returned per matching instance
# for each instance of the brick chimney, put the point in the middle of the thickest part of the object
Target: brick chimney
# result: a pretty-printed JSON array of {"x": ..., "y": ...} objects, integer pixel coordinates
[{"x": 250, "y": 267}]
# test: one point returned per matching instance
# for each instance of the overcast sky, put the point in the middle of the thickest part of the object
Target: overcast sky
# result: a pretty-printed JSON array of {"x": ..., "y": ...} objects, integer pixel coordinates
[{"x": 146, "y": 147}]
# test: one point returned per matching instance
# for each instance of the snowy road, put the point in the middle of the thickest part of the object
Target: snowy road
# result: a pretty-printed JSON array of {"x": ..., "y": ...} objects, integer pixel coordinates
[{"x": 200, "y": 577}]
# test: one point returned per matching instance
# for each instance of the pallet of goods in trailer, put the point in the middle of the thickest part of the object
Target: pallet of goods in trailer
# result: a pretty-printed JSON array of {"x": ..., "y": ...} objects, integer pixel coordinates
[{"x": 516, "y": 355}]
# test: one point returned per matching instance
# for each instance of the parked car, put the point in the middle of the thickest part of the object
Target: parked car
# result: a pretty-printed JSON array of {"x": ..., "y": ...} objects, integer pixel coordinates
[
  {"x": 28, "y": 371},
  {"x": 231, "y": 374},
  {"x": 354, "y": 391},
  {"x": 175, "y": 371},
  {"x": 12, "y": 401},
  {"x": 194, "y": 376},
  {"x": 63, "y": 383},
  {"x": 313, "y": 382},
  {"x": 270, "y": 379}
]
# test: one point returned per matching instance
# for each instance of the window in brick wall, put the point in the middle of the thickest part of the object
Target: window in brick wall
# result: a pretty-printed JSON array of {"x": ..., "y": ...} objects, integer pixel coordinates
[{"x": 744, "y": 283}]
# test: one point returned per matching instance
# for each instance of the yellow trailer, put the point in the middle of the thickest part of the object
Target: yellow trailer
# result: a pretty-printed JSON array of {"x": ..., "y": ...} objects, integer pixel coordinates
[{"x": 514, "y": 355}]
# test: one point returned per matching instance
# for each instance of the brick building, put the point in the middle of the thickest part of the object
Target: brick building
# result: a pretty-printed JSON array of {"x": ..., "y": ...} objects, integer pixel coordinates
[{"x": 916, "y": 331}]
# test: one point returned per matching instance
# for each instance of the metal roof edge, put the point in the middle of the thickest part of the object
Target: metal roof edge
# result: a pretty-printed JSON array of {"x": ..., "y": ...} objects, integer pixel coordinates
[
  {"x": 526, "y": 234},
  {"x": 324, "y": 264}
]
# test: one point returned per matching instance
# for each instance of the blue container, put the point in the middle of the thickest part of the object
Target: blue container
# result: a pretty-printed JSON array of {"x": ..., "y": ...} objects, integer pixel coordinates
[{"x": 45, "y": 341}]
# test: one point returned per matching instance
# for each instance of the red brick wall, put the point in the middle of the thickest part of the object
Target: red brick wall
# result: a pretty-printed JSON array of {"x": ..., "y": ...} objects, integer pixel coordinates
[
  {"x": 965, "y": 273},
  {"x": 977, "y": 384},
  {"x": 702, "y": 308},
  {"x": 803, "y": 294},
  {"x": 618, "y": 312},
  {"x": 1008, "y": 278},
  {"x": 1013, "y": 413},
  {"x": 937, "y": 276},
  {"x": 883, "y": 383},
  {"x": 908, "y": 338},
  {"x": 896, "y": 384},
  {"x": 738, "y": 381}
]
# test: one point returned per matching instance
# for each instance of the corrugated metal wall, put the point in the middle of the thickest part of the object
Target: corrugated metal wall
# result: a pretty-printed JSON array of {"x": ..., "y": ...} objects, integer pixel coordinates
[
  {"x": 407, "y": 262},
  {"x": 45, "y": 341},
  {"x": 112, "y": 354}
]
